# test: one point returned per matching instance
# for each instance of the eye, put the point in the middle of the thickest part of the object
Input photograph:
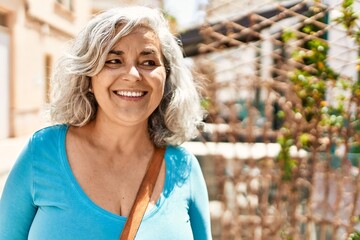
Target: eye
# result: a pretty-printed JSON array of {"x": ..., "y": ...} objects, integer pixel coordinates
[
  {"x": 113, "y": 61},
  {"x": 149, "y": 63}
]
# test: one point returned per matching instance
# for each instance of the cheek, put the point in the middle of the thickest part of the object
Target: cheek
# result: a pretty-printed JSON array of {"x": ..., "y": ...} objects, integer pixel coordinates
[
  {"x": 99, "y": 81},
  {"x": 161, "y": 87},
  {"x": 158, "y": 91},
  {"x": 157, "y": 80}
]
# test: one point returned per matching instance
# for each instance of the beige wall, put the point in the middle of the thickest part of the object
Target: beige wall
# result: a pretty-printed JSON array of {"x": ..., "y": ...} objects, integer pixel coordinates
[
  {"x": 99, "y": 5},
  {"x": 39, "y": 31}
]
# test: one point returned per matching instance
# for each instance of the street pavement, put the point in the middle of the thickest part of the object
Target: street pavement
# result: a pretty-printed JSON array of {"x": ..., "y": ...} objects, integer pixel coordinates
[{"x": 10, "y": 148}]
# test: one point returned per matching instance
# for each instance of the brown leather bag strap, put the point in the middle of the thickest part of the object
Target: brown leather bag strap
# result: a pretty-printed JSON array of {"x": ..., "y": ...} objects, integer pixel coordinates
[{"x": 143, "y": 196}]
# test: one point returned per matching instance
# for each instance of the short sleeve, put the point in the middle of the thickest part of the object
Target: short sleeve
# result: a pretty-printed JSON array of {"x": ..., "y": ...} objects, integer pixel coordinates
[{"x": 17, "y": 209}]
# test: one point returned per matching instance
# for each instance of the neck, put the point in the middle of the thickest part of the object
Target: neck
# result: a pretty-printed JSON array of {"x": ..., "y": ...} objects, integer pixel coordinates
[{"x": 115, "y": 138}]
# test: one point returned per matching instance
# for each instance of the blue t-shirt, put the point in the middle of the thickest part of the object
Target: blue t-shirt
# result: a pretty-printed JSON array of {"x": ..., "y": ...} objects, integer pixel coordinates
[{"x": 42, "y": 199}]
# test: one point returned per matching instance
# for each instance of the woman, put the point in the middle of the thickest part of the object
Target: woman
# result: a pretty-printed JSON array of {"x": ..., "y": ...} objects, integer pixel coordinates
[{"x": 120, "y": 92}]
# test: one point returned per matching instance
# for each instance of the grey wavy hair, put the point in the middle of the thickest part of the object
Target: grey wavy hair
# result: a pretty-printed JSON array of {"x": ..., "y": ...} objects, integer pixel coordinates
[{"x": 179, "y": 114}]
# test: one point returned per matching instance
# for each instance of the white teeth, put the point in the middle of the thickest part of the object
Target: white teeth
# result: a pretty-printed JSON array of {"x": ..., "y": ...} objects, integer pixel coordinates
[{"x": 129, "y": 94}]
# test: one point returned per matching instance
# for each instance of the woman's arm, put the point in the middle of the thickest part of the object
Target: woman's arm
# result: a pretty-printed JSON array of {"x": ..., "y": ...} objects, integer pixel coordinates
[
  {"x": 17, "y": 209},
  {"x": 199, "y": 207}
]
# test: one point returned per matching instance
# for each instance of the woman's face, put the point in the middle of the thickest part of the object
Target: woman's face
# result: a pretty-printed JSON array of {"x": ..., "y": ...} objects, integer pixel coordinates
[{"x": 131, "y": 84}]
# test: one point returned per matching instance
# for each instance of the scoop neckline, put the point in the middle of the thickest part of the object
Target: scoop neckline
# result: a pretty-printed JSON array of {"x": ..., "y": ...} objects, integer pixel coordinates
[{"x": 86, "y": 199}]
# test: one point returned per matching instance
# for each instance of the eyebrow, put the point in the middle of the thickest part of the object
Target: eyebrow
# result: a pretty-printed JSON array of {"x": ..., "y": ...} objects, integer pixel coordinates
[
  {"x": 116, "y": 52},
  {"x": 142, "y": 53},
  {"x": 148, "y": 52}
]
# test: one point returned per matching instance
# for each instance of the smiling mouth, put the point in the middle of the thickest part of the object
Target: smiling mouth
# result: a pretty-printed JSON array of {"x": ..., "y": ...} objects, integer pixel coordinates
[{"x": 133, "y": 94}]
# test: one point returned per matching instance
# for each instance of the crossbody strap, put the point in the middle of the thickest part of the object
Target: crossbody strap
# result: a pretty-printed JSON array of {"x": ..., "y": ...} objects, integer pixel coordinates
[{"x": 143, "y": 196}]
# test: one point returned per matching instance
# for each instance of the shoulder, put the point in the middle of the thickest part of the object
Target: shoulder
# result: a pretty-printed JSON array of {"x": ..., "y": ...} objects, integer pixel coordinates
[
  {"x": 43, "y": 144},
  {"x": 178, "y": 151},
  {"x": 180, "y": 155},
  {"x": 47, "y": 134},
  {"x": 181, "y": 160},
  {"x": 47, "y": 140}
]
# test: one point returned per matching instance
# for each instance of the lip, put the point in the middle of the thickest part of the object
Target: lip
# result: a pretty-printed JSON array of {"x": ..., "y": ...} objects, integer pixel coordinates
[{"x": 130, "y": 94}]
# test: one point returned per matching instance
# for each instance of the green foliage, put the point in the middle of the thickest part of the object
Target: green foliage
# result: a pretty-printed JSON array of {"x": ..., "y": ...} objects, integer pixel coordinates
[
  {"x": 356, "y": 125},
  {"x": 348, "y": 19},
  {"x": 315, "y": 56},
  {"x": 281, "y": 114},
  {"x": 206, "y": 103},
  {"x": 288, "y": 35},
  {"x": 354, "y": 236},
  {"x": 333, "y": 116},
  {"x": 357, "y": 36},
  {"x": 305, "y": 140},
  {"x": 311, "y": 90},
  {"x": 355, "y": 88},
  {"x": 310, "y": 83},
  {"x": 284, "y": 159}
]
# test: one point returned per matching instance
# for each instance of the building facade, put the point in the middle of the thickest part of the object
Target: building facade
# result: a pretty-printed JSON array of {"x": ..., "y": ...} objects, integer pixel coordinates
[
  {"x": 101, "y": 5},
  {"x": 33, "y": 34}
]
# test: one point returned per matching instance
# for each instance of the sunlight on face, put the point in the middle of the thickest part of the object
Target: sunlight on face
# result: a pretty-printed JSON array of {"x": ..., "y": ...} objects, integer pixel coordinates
[{"x": 131, "y": 84}]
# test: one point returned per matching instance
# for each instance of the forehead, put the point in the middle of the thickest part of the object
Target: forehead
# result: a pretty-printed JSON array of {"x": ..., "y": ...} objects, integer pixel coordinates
[{"x": 139, "y": 37}]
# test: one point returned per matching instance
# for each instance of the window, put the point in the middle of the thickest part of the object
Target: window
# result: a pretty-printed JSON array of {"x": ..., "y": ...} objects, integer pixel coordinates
[
  {"x": 65, "y": 8},
  {"x": 48, "y": 66},
  {"x": 71, "y": 5},
  {"x": 66, "y": 4},
  {"x": 3, "y": 19}
]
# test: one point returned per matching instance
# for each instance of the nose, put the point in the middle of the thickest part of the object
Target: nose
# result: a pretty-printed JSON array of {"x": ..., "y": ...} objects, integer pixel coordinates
[{"x": 132, "y": 74}]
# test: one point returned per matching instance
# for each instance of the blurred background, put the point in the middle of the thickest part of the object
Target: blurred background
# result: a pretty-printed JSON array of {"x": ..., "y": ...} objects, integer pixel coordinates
[{"x": 281, "y": 148}]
